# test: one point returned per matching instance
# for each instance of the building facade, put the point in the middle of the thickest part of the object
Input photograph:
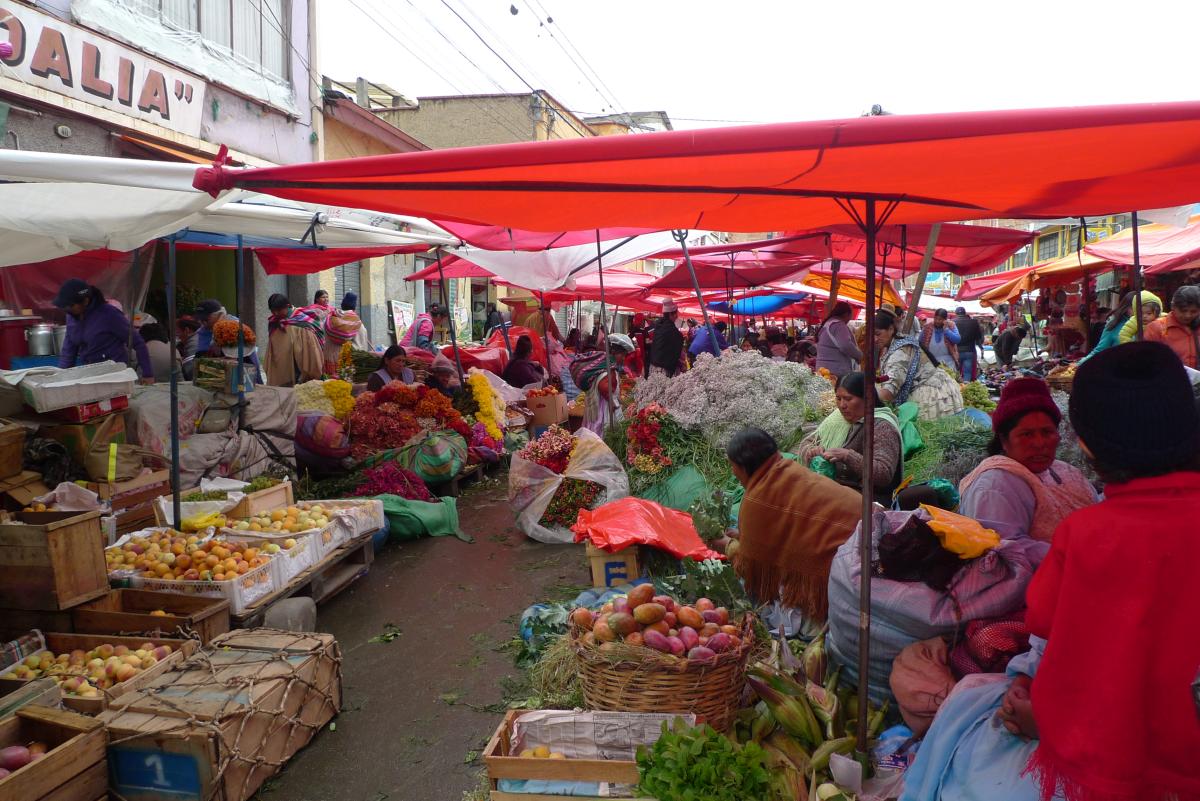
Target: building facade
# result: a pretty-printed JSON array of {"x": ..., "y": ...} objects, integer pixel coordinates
[{"x": 169, "y": 80}]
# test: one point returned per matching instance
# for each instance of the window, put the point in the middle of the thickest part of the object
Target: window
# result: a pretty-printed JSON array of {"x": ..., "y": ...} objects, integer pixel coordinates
[
  {"x": 1021, "y": 258},
  {"x": 346, "y": 279},
  {"x": 256, "y": 30},
  {"x": 1047, "y": 247}
]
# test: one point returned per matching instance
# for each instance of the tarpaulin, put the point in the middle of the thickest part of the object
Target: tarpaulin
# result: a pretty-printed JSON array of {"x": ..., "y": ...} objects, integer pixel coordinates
[
  {"x": 637, "y": 521},
  {"x": 515, "y": 332},
  {"x": 496, "y": 237},
  {"x": 854, "y": 289},
  {"x": 712, "y": 276},
  {"x": 918, "y": 168},
  {"x": 452, "y": 267},
  {"x": 118, "y": 275},
  {"x": 1161, "y": 249}
]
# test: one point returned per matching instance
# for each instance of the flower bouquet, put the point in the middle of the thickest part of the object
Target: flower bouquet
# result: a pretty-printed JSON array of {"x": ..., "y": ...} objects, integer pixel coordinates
[
  {"x": 556, "y": 475},
  {"x": 394, "y": 415},
  {"x": 390, "y": 478},
  {"x": 225, "y": 334},
  {"x": 330, "y": 397},
  {"x": 645, "y": 453}
]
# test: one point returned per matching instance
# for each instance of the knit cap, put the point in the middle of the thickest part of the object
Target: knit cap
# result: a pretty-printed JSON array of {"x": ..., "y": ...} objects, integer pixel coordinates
[
  {"x": 1021, "y": 396},
  {"x": 1133, "y": 407}
]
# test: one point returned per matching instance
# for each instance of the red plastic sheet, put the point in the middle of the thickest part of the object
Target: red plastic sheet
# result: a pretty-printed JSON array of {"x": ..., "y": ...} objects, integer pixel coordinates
[
  {"x": 919, "y": 168},
  {"x": 303, "y": 261},
  {"x": 636, "y": 521},
  {"x": 496, "y": 340}
]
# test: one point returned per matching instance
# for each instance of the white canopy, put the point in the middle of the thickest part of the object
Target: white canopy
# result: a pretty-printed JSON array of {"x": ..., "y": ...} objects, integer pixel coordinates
[{"x": 62, "y": 204}]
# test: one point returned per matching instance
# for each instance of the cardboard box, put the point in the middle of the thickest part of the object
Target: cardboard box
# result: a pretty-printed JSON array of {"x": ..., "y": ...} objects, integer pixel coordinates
[
  {"x": 80, "y": 437},
  {"x": 226, "y": 720},
  {"x": 613, "y": 569},
  {"x": 548, "y": 410},
  {"x": 22, "y": 489},
  {"x": 90, "y": 411}
]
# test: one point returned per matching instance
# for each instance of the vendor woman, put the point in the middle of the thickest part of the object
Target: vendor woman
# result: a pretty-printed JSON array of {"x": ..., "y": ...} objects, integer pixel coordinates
[
  {"x": 841, "y": 439},
  {"x": 393, "y": 367},
  {"x": 910, "y": 373},
  {"x": 588, "y": 372},
  {"x": 1021, "y": 489},
  {"x": 97, "y": 331}
]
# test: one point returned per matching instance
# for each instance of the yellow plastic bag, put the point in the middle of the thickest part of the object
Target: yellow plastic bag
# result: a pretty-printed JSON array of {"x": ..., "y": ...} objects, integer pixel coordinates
[{"x": 959, "y": 534}]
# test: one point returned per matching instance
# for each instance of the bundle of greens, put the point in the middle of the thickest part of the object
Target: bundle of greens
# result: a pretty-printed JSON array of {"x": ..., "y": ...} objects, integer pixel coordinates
[
  {"x": 975, "y": 394},
  {"x": 685, "y": 447},
  {"x": 953, "y": 447},
  {"x": 211, "y": 495},
  {"x": 689, "y": 763},
  {"x": 712, "y": 514}
]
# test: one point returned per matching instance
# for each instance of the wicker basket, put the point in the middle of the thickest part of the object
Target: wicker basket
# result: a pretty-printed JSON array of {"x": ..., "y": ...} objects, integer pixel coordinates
[{"x": 665, "y": 684}]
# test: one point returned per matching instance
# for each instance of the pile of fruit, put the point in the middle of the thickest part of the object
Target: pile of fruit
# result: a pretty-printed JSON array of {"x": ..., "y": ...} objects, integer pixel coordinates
[
  {"x": 39, "y": 507},
  {"x": 15, "y": 757},
  {"x": 292, "y": 520},
  {"x": 84, "y": 674},
  {"x": 173, "y": 557},
  {"x": 698, "y": 632},
  {"x": 543, "y": 392},
  {"x": 541, "y": 752}
]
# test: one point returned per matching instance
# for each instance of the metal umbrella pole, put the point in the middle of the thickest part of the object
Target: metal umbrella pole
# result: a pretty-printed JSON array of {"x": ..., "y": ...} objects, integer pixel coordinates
[
  {"x": 449, "y": 316},
  {"x": 238, "y": 280},
  {"x": 865, "y": 550},
  {"x": 172, "y": 320},
  {"x": 1137, "y": 276},
  {"x": 612, "y": 406},
  {"x": 545, "y": 330},
  {"x": 681, "y": 238}
]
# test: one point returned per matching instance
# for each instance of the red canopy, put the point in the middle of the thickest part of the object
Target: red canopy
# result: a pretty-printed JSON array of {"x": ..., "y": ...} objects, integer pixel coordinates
[
  {"x": 960, "y": 249},
  {"x": 1063, "y": 162},
  {"x": 712, "y": 276},
  {"x": 1160, "y": 250},
  {"x": 454, "y": 267},
  {"x": 302, "y": 261},
  {"x": 980, "y": 285}
]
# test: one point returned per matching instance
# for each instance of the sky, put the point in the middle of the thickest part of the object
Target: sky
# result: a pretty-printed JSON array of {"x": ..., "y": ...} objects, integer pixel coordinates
[{"x": 709, "y": 63}]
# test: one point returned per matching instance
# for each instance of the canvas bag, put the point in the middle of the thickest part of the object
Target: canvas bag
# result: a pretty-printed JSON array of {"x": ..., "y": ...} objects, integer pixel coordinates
[{"x": 112, "y": 461}]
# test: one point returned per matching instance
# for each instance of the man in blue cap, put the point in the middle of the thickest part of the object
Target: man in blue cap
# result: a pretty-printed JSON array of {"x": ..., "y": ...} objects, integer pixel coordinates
[{"x": 97, "y": 331}]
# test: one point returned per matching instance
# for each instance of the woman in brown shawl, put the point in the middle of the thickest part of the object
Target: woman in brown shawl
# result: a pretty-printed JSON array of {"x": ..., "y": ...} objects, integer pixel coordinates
[{"x": 791, "y": 523}]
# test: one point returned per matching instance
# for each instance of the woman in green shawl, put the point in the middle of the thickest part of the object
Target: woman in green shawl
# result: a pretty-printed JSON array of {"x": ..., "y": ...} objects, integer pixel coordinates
[{"x": 840, "y": 440}]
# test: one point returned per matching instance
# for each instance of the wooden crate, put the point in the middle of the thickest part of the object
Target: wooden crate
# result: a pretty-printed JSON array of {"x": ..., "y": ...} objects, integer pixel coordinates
[
  {"x": 19, "y": 490},
  {"x": 277, "y": 497},
  {"x": 127, "y": 612},
  {"x": 12, "y": 448},
  {"x": 74, "y": 769},
  {"x": 51, "y": 560},
  {"x": 613, "y": 569},
  {"x": 501, "y": 763},
  {"x": 65, "y": 643},
  {"x": 132, "y": 501},
  {"x": 15, "y": 695}
]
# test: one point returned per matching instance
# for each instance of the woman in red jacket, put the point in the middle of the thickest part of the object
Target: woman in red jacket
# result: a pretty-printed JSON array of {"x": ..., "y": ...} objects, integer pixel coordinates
[{"x": 1116, "y": 597}]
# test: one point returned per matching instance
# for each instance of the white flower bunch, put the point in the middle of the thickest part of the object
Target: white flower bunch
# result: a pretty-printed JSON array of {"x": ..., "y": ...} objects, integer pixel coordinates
[
  {"x": 719, "y": 396},
  {"x": 311, "y": 397}
]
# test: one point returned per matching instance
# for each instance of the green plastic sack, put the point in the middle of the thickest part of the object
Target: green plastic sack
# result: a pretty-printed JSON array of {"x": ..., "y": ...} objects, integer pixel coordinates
[
  {"x": 909, "y": 436},
  {"x": 437, "y": 458},
  {"x": 410, "y": 520},
  {"x": 679, "y": 491}
]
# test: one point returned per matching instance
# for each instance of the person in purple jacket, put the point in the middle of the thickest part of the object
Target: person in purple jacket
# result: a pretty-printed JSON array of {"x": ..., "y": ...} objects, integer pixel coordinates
[{"x": 97, "y": 331}]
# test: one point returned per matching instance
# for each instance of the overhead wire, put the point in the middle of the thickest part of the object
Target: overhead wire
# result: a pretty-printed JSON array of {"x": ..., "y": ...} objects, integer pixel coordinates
[
  {"x": 379, "y": 19},
  {"x": 511, "y": 68},
  {"x": 603, "y": 87}
]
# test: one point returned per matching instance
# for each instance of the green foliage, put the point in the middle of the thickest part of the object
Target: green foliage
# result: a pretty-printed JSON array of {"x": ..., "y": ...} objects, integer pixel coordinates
[
  {"x": 698, "y": 764},
  {"x": 342, "y": 485},
  {"x": 953, "y": 446},
  {"x": 711, "y": 514},
  {"x": 211, "y": 495},
  {"x": 711, "y": 579},
  {"x": 976, "y": 395}
]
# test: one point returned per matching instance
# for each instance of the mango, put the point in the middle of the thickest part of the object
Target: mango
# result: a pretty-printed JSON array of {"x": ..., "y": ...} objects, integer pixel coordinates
[
  {"x": 658, "y": 642},
  {"x": 649, "y": 612},
  {"x": 635, "y": 639},
  {"x": 641, "y": 594},
  {"x": 704, "y": 604},
  {"x": 582, "y": 618},
  {"x": 702, "y": 656},
  {"x": 602, "y": 632},
  {"x": 622, "y": 623},
  {"x": 688, "y": 616}
]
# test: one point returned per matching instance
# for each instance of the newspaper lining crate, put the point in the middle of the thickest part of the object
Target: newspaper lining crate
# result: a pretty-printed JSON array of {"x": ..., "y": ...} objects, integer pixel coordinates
[
  {"x": 74, "y": 768},
  {"x": 51, "y": 560},
  {"x": 129, "y": 612},
  {"x": 288, "y": 562},
  {"x": 613, "y": 569},
  {"x": 65, "y": 643}
]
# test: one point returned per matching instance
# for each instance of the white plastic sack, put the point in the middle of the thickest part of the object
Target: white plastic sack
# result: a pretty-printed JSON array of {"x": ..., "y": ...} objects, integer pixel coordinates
[
  {"x": 507, "y": 392},
  {"x": 70, "y": 497},
  {"x": 531, "y": 486}
]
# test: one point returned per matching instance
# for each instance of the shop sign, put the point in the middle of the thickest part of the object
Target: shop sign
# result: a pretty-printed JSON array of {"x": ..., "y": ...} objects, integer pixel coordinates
[
  {"x": 60, "y": 57},
  {"x": 402, "y": 315}
]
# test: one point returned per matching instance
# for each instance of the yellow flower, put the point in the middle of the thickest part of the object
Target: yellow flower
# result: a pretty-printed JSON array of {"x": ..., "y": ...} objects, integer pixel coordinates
[{"x": 486, "y": 399}]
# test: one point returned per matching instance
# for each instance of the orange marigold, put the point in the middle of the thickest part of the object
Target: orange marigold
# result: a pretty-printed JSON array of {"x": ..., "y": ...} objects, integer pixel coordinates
[{"x": 225, "y": 333}]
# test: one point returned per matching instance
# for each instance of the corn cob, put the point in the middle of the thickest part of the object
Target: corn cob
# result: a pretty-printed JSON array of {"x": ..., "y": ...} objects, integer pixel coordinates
[
  {"x": 820, "y": 757},
  {"x": 792, "y": 713}
]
